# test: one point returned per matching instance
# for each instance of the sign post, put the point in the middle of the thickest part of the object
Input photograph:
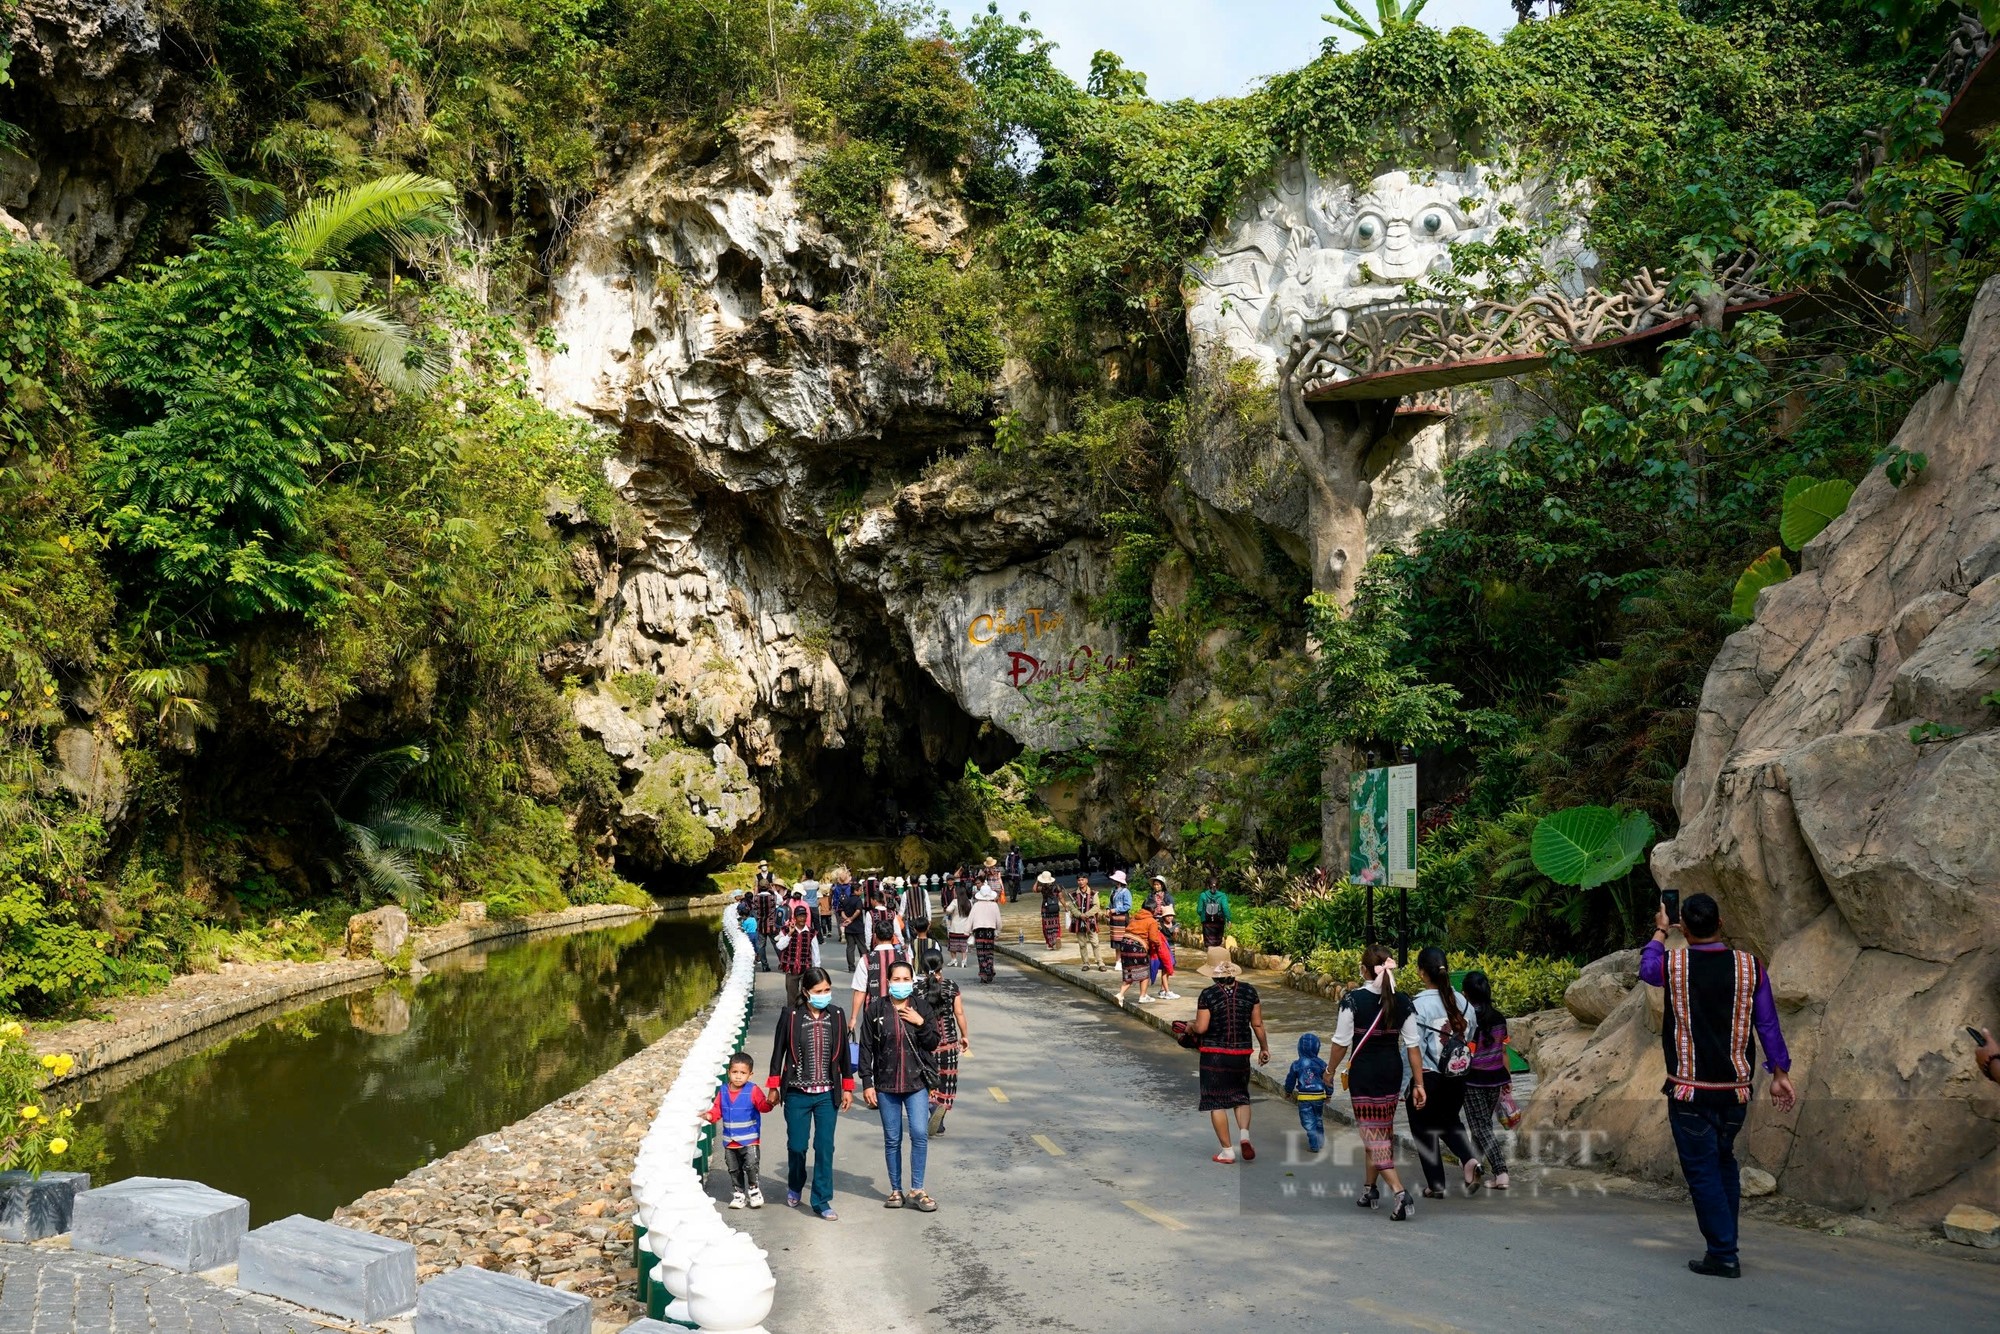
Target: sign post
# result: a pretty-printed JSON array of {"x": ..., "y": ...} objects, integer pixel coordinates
[{"x": 1383, "y": 850}]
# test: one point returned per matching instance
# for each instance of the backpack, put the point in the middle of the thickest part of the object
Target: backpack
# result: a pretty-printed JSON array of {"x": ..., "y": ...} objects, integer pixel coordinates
[{"x": 1454, "y": 1055}]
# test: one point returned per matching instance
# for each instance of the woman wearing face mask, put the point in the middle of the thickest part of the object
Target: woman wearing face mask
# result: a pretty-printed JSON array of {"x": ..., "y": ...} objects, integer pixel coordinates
[
  {"x": 899, "y": 1036},
  {"x": 813, "y": 1074}
]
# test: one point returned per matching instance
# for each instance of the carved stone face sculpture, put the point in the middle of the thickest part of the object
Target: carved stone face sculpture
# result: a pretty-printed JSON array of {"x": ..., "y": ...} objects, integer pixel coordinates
[{"x": 1345, "y": 248}]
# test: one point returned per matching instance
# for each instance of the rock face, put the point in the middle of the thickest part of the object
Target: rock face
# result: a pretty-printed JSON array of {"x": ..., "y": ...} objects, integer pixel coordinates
[
  {"x": 101, "y": 109},
  {"x": 1863, "y": 866},
  {"x": 770, "y": 640}
]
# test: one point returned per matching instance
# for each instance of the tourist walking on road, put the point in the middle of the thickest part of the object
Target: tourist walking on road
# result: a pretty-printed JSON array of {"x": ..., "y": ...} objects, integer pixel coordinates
[
  {"x": 1716, "y": 998},
  {"x": 768, "y": 915},
  {"x": 1120, "y": 916},
  {"x": 1015, "y": 870},
  {"x": 1378, "y": 1024},
  {"x": 871, "y": 979},
  {"x": 1305, "y": 1084},
  {"x": 1213, "y": 910},
  {"x": 1083, "y": 918},
  {"x": 797, "y": 949},
  {"x": 738, "y": 1108},
  {"x": 1052, "y": 910},
  {"x": 957, "y": 928},
  {"x": 1135, "y": 954},
  {"x": 812, "y": 1071},
  {"x": 1160, "y": 968},
  {"x": 853, "y": 914},
  {"x": 1226, "y": 1016},
  {"x": 947, "y": 1006},
  {"x": 1442, "y": 1014},
  {"x": 916, "y": 910},
  {"x": 985, "y": 921},
  {"x": 898, "y": 1036},
  {"x": 1489, "y": 1084}
]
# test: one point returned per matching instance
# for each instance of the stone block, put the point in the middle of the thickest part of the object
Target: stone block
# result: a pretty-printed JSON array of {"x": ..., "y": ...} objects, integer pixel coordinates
[
  {"x": 356, "y": 1275},
  {"x": 379, "y": 933},
  {"x": 182, "y": 1225},
  {"x": 479, "y": 1301},
  {"x": 34, "y": 1208},
  {"x": 1969, "y": 1225},
  {"x": 651, "y": 1327},
  {"x": 472, "y": 912}
]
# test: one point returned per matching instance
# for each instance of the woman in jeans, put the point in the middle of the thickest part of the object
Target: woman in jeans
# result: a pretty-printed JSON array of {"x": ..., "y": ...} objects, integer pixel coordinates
[
  {"x": 811, "y": 1075},
  {"x": 1434, "y": 1124},
  {"x": 899, "y": 1037}
]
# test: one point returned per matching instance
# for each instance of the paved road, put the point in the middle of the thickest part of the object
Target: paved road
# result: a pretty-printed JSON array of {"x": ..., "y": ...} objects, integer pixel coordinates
[
  {"x": 1131, "y": 1228},
  {"x": 56, "y": 1292}
]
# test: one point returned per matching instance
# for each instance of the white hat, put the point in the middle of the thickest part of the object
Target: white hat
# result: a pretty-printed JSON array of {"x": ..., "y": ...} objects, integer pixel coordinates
[
  {"x": 986, "y": 893},
  {"x": 1117, "y": 877},
  {"x": 1045, "y": 879}
]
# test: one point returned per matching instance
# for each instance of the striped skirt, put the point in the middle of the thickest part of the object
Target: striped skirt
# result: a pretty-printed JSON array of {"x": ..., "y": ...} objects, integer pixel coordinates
[
  {"x": 946, "y": 1091},
  {"x": 1225, "y": 1080},
  {"x": 1051, "y": 929},
  {"x": 955, "y": 941},
  {"x": 982, "y": 944},
  {"x": 1376, "y": 1120}
]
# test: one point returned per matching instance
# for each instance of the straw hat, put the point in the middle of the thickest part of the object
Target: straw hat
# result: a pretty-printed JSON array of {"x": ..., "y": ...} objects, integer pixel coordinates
[
  {"x": 1219, "y": 964},
  {"x": 990, "y": 863},
  {"x": 1045, "y": 878}
]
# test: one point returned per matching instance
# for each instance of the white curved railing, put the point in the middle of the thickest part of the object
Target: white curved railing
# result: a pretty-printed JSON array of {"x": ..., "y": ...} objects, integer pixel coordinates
[{"x": 718, "y": 1278}]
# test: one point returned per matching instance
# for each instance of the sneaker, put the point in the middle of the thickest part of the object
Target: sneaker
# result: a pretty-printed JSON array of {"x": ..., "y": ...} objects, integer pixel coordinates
[
  {"x": 738, "y": 1200},
  {"x": 756, "y": 1198},
  {"x": 1170, "y": 995},
  {"x": 1711, "y": 1267},
  {"x": 1145, "y": 1000},
  {"x": 1405, "y": 1207}
]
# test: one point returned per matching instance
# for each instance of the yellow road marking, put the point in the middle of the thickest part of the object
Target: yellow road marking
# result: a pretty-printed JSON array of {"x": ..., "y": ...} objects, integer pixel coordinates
[
  {"x": 1167, "y": 1221},
  {"x": 1048, "y": 1144},
  {"x": 1403, "y": 1318},
  {"x": 998, "y": 1096}
]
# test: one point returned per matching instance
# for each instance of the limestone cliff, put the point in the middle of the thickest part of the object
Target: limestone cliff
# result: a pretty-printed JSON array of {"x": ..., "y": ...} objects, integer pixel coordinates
[{"x": 1864, "y": 866}]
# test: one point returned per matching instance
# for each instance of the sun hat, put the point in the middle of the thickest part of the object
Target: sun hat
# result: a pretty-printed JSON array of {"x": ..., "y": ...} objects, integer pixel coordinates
[
  {"x": 1117, "y": 877},
  {"x": 1045, "y": 879},
  {"x": 1160, "y": 880},
  {"x": 1220, "y": 964},
  {"x": 990, "y": 863}
]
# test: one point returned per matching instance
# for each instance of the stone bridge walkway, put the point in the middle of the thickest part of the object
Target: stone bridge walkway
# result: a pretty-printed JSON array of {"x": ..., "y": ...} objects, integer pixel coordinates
[{"x": 52, "y": 1291}]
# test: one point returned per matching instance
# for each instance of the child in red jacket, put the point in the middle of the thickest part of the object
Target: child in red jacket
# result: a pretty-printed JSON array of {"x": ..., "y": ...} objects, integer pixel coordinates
[{"x": 739, "y": 1106}]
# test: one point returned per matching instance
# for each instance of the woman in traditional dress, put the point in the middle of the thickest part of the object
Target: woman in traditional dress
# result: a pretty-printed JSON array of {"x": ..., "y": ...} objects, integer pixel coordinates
[
  {"x": 957, "y": 927},
  {"x": 1379, "y": 1025},
  {"x": 1213, "y": 910},
  {"x": 1137, "y": 949},
  {"x": 1226, "y": 1016},
  {"x": 954, "y": 1035},
  {"x": 985, "y": 921},
  {"x": 1052, "y": 909}
]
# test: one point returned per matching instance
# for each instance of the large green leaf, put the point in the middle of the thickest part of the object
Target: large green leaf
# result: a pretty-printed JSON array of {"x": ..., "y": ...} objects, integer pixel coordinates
[
  {"x": 1588, "y": 846},
  {"x": 1810, "y": 509},
  {"x": 1769, "y": 568}
]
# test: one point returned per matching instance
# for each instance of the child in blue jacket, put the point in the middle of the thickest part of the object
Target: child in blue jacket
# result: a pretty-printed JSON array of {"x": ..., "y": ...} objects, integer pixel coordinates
[{"x": 1306, "y": 1083}]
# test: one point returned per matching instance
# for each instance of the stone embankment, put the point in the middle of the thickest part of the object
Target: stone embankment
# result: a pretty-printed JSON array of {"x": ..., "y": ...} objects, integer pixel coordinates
[
  {"x": 547, "y": 1198},
  {"x": 189, "y": 1005}
]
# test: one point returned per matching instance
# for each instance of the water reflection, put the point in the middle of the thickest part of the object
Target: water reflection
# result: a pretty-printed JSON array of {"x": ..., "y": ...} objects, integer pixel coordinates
[{"x": 310, "y": 1109}]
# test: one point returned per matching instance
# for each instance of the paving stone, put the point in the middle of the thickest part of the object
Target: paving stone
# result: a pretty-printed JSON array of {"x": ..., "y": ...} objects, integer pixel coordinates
[
  {"x": 317, "y": 1265},
  {"x": 33, "y": 1208},
  {"x": 478, "y": 1301},
  {"x": 182, "y": 1225},
  {"x": 651, "y": 1327}
]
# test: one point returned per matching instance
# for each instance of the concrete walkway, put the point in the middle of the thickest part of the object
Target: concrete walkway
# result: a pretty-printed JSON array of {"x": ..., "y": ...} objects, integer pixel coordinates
[{"x": 1076, "y": 1194}]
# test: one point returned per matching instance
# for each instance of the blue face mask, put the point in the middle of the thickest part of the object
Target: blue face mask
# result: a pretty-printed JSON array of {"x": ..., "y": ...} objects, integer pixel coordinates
[
  {"x": 819, "y": 1000},
  {"x": 902, "y": 990}
]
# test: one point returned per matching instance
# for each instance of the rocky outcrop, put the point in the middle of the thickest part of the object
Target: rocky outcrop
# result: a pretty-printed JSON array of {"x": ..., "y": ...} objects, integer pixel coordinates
[
  {"x": 1863, "y": 864},
  {"x": 796, "y": 620},
  {"x": 101, "y": 109}
]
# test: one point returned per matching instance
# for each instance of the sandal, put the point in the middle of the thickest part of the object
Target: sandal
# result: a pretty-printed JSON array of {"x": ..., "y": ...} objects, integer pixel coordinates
[
  {"x": 1225, "y": 1157},
  {"x": 1405, "y": 1207},
  {"x": 1474, "y": 1178},
  {"x": 1249, "y": 1151},
  {"x": 922, "y": 1202},
  {"x": 1429, "y": 1194},
  {"x": 895, "y": 1200},
  {"x": 1500, "y": 1181},
  {"x": 1366, "y": 1199},
  {"x": 829, "y": 1215}
]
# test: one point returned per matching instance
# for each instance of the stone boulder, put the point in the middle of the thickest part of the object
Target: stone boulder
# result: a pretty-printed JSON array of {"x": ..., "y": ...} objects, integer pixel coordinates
[
  {"x": 379, "y": 933},
  {"x": 1860, "y": 864},
  {"x": 1602, "y": 987},
  {"x": 89, "y": 768}
]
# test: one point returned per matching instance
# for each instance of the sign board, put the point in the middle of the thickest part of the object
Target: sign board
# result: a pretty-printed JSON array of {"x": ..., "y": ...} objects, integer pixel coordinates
[{"x": 1383, "y": 846}]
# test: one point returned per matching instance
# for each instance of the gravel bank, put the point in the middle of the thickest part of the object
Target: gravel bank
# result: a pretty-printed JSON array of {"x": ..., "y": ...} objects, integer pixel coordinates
[{"x": 547, "y": 1198}]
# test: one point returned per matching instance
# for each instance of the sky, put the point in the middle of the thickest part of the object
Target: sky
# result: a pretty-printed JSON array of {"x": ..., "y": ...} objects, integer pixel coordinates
[{"x": 1208, "y": 48}]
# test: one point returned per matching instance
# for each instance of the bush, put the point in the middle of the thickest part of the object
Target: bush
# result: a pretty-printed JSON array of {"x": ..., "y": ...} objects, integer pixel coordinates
[{"x": 35, "y": 1130}]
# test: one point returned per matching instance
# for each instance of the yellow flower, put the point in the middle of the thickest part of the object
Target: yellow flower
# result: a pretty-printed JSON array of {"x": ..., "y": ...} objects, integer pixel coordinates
[
  {"x": 29, "y": 1111},
  {"x": 58, "y": 1145},
  {"x": 48, "y": 1062},
  {"x": 11, "y": 1029},
  {"x": 64, "y": 1064}
]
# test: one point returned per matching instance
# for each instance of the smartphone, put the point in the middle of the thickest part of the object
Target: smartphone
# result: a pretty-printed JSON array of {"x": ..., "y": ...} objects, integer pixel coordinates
[
  {"x": 1670, "y": 899},
  {"x": 1978, "y": 1038}
]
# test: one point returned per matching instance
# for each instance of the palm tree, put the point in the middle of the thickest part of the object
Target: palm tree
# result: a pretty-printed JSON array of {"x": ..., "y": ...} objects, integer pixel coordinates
[
  {"x": 393, "y": 210},
  {"x": 1389, "y": 16},
  {"x": 385, "y": 834}
]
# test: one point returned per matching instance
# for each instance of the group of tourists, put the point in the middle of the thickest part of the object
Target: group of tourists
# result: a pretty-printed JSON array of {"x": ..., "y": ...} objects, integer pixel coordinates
[{"x": 1435, "y": 1051}]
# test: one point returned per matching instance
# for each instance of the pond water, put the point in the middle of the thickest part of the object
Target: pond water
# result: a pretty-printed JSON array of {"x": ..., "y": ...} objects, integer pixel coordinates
[{"x": 305, "y": 1110}]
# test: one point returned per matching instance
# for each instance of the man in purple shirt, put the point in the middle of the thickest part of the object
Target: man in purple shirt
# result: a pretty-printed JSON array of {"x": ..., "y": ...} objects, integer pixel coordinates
[{"x": 1715, "y": 998}]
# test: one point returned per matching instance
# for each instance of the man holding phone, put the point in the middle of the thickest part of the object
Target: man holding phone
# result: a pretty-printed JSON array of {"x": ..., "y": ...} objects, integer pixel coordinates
[{"x": 1716, "y": 997}]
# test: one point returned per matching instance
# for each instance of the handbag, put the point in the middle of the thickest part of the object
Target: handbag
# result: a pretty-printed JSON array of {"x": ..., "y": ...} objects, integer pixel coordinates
[{"x": 1185, "y": 1035}]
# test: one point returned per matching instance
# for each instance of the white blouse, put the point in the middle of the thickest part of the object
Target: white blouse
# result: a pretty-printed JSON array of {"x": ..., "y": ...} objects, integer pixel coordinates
[{"x": 1343, "y": 1028}]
